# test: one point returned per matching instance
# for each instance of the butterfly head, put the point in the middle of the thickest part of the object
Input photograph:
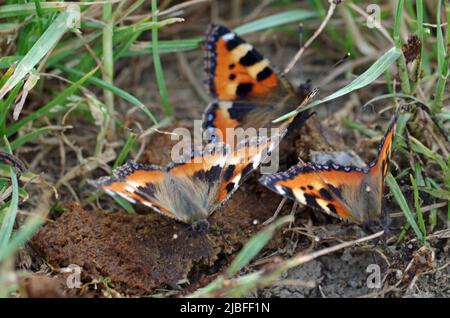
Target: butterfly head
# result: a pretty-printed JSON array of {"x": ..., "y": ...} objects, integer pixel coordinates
[
  {"x": 372, "y": 226},
  {"x": 200, "y": 226}
]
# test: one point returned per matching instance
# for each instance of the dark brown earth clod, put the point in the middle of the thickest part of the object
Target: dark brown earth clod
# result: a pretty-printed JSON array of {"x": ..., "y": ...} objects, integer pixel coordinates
[
  {"x": 139, "y": 253},
  {"x": 40, "y": 286}
]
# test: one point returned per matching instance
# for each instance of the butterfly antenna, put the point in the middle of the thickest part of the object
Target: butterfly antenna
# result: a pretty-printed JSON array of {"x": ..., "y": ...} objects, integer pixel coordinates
[
  {"x": 342, "y": 60},
  {"x": 327, "y": 76}
]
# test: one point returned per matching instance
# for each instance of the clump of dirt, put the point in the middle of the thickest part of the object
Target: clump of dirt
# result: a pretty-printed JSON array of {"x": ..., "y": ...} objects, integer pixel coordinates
[
  {"x": 40, "y": 286},
  {"x": 135, "y": 252},
  {"x": 158, "y": 151},
  {"x": 139, "y": 253}
]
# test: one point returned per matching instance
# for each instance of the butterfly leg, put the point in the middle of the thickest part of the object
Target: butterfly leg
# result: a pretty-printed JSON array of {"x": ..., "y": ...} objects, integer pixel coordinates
[
  {"x": 386, "y": 219},
  {"x": 293, "y": 210},
  {"x": 277, "y": 211}
]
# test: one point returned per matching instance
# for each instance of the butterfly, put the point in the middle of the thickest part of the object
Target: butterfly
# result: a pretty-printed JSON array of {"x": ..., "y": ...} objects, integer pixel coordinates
[
  {"x": 190, "y": 189},
  {"x": 246, "y": 91},
  {"x": 349, "y": 192}
]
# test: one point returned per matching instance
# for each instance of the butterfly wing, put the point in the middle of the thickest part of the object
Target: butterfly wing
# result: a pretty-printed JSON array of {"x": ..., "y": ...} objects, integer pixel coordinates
[
  {"x": 234, "y": 70},
  {"x": 329, "y": 188},
  {"x": 246, "y": 157},
  {"x": 348, "y": 192},
  {"x": 185, "y": 191},
  {"x": 222, "y": 118},
  {"x": 247, "y": 91},
  {"x": 137, "y": 183},
  {"x": 380, "y": 166},
  {"x": 195, "y": 182}
]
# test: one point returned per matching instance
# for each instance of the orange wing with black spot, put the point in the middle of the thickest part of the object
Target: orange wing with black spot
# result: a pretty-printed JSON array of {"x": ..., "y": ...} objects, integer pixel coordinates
[
  {"x": 185, "y": 190},
  {"x": 137, "y": 184},
  {"x": 348, "y": 192},
  {"x": 247, "y": 92},
  {"x": 247, "y": 156},
  {"x": 379, "y": 168},
  {"x": 235, "y": 70},
  {"x": 318, "y": 186},
  {"x": 189, "y": 189}
]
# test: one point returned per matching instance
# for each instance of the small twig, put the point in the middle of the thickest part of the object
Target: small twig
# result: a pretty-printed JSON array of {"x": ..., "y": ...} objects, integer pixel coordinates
[
  {"x": 382, "y": 29},
  {"x": 301, "y": 259},
  {"x": 424, "y": 209},
  {"x": 181, "y": 6},
  {"x": 257, "y": 10},
  {"x": 331, "y": 9},
  {"x": 274, "y": 216}
]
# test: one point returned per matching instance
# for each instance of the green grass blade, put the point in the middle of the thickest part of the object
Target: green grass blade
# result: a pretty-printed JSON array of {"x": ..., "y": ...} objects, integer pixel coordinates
[
  {"x": 127, "y": 206},
  {"x": 30, "y": 136},
  {"x": 360, "y": 128},
  {"x": 46, "y": 109},
  {"x": 7, "y": 61},
  {"x": 125, "y": 150},
  {"x": 157, "y": 64},
  {"x": 440, "y": 37},
  {"x": 25, "y": 232},
  {"x": 9, "y": 218},
  {"x": 369, "y": 76},
  {"x": 275, "y": 20},
  {"x": 108, "y": 59},
  {"x": 437, "y": 193},
  {"x": 42, "y": 46},
  {"x": 5, "y": 105},
  {"x": 165, "y": 47},
  {"x": 248, "y": 252},
  {"x": 26, "y": 9},
  {"x": 192, "y": 43},
  {"x": 420, "y": 148},
  {"x": 399, "y": 197},
  {"x": 402, "y": 68},
  {"x": 420, "y": 35},
  {"x": 443, "y": 59},
  {"x": 418, "y": 208},
  {"x": 104, "y": 85},
  {"x": 393, "y": 95}
]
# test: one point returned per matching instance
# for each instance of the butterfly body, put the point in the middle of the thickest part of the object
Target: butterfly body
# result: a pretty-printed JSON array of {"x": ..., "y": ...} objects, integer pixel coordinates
[
  {"x": 247, "y": 92},
  {"x": 353, "y": 193}
]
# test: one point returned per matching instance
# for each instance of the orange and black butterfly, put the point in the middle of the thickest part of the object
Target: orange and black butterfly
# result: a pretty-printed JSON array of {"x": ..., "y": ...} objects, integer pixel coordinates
[
  {"x": 246, "y": 91},
  {"x": 349, "y": 192},
  {"x": 189, "y": 190}
]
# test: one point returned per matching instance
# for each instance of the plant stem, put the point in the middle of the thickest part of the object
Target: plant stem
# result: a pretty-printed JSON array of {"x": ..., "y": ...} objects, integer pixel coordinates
[
  {"x": 402, "y": 69},
  {"x": 108, "y": 56},
  {"x": 419, "y": 8},
  {"x": 157, "y": 63},
  {"x": 443, "y": 57}
]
